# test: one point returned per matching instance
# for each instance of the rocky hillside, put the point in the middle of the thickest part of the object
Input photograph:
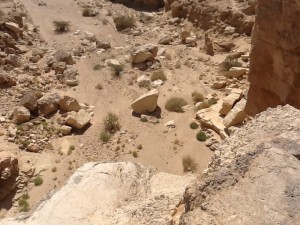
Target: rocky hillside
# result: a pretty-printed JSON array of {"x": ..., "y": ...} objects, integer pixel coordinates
[
  {"x": 253, "y": 177},
  {"x": 274, "y": 73}
]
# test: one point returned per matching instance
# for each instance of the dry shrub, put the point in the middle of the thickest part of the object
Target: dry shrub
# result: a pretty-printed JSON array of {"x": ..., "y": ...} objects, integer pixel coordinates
[
  {"x": 158, "y": 75},
  {"x": 123, "y": 22},
  {"x": 61, "y": 26},
  {"x": 175, "y": 104},
  {"x": 189, "y": 164}
]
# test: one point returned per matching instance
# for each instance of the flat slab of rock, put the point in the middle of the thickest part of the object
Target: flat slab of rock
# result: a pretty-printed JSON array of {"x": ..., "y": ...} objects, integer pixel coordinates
[
  {"x": 147, "y": 103},
  {"x": 78, "y": 120},
  {"x": 116, "y": 193},
  {"x": 236, "y": 72},
  {"x": 230, "y": 100},
  {"x": 237, "y": 115}
]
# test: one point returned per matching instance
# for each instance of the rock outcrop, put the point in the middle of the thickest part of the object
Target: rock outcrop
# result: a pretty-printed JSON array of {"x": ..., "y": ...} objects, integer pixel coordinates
[
  {"x": 253, "y": 177},
  {"x": 112, "y": 193},
  {"x": 211, "y": 14},
  {"x": 147, "y": 4},
  {"x": 275, "y": 57},
  {"x": 9, "y": 171}
]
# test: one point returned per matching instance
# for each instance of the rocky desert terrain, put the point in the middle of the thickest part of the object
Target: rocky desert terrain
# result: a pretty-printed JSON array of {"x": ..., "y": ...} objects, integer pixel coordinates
[{"x": 149, "y": 112}]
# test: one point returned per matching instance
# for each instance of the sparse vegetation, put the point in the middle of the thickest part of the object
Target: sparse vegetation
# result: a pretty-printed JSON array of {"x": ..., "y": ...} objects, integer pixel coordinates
[
  {"x": 135, "y": 154},
  {"x": 104, "y": 21},
  {"x": 61, "y": 26},
  {"x": 158, "y": 75},
  {"x": 105, "y": 136},
  {"x": 111, "y": 123},
  {"x": 175, "y": 104},
  {"x": 201, "y": 136},
  {"x": 139, "y": 147},
  {"x": 189, "y": 164},
  {"x": 194, "y": 125},
  {"x": 71, "y": 149},
  {"x": 54, "y": 169},
  {"x": 123, "y": 22},
  {"x": 97, "y": 67},
  {"x": 23, "y": 203},
  {"x": 197, "y": 97},
  {"x": 86, "y": 12},
  {"x": 116, "y": 70},
  {"x": 38, "y": 181},
  {"x": 203, "y": 105},
  {"x": 229, "y": 63},
  {"x": 99, "y": 86}
]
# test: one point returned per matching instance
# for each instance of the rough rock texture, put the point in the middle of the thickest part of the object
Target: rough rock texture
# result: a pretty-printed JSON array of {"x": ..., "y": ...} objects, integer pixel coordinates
[
  {"x": 212, "y": 14},
  {"x": 68, "y": 104},
  {"x": 144, "y": 53},
  {"x": 9, "y": 172},
  {"x": 253, "y": 177},
  {"x": 111, "y": 193},
  {"x": 21, "y": 115},
  {"x": 275, "y": 57},
  {"x": 78, "y": 120},
  {"x": 147, "y": 103},
  {"x": 147, "y": 4},
  {"x": 48, "y": 104}
]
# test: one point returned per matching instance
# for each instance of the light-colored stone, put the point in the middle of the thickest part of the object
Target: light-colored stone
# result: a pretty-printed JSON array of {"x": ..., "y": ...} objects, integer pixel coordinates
[
  {"x": 236, "y": 72},
  {"x": 78, "y": 120},
  {"x": 147, "y": 103},
  {"x": 13, "y": 27},
  {"x": 21, "y": 115},
  {"x": 29, "y": 101},
  {"x": 230, "y": 100},
  {"x": 236, "y": 115},
  {"x": 32, "y": 147},
  {"x": 90, "y": 36},
  {"x": 144, "y": 53},
  {"x": 119, "y": 193},
  {"x": 68, "y": 104},
  {"x": 143, "y": 81},
  {"x": 48, "y": 104},
  {"x": 65, "y": 130}
]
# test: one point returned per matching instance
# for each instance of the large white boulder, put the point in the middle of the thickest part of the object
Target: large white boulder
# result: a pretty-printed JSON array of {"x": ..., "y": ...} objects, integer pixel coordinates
[{"x": 147, "y": 103}]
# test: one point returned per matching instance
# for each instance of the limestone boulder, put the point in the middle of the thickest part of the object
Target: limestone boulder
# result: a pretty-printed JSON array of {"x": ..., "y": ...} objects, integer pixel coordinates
[
  {"x": 13, "y": 27},
  {"x": 144, "y": 53},
  {"x": 119, "y": 193},
  {"x": 9, "y": 171},
  {"x": 147, "y": 103},
  {"x": 237, "y": 114},
  {"x": 64, "y": 56},
  {"x": 143, "y": 81},
  {"x": 7, "y": 80},
  {"x": 48, "y": 104},
  {"x": 68, "y": 104},
  {"x": 236, "y": 72},
  {"x": 29, "y": 101},
  {"x": 230, "y": 100},
  {"x": 21, "y": 115},
  {"x": 78, "y": 120}
]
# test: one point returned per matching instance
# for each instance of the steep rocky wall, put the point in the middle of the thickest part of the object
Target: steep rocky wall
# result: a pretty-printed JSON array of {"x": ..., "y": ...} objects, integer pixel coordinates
[
  {"x": 275, "y": 59},
  {"x": 253, "y": 177},
  {"x": 215, "y": 15},
  {"x": 142, "y": 4}
]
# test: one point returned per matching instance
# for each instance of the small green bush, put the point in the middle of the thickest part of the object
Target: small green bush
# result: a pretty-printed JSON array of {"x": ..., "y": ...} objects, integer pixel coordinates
[
  {"x": 201, "y": 136},
  {"x": 97, "y": 67},
  {"x": 175, "y": 104},
  {"x": 105, "y": 136},
  {"x": 116, "y": 70},
  {"x": 189, "y": 165},
  {"x": 194, "y": 125},
  {"x": 158, "y": 75},
  {"x": 123, "y": 22},
  {"x": 229, "y": 63},
  {"x": 86, "y": 12},
  {"x": 111, "y": 123},
  {"x": 61, "y": 26},
  {"x": 204, "y": 105},
  {"x": 23, "y": 203},
  {"x": 135, "y": 154},
  {"x": 197, "y": 97},
  {"x": 38, "y": 181}
]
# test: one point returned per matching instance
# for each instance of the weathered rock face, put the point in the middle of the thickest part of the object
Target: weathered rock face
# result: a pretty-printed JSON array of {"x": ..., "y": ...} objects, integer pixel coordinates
[
  {"x": 274, "y": 71},
  {"x": 118, "y": 193},
  {"x": 253, "y": 177},
  {"x": 148, "y": 4},
  {"x": 9, "y": 172},
  {"x": 48, "y": 104},
  {"x": 144, "y": 53},
  {"x": 147, "y": 103},
  {"x": 212, "y": 14}
]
